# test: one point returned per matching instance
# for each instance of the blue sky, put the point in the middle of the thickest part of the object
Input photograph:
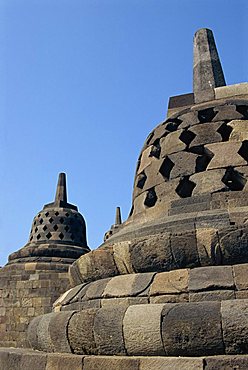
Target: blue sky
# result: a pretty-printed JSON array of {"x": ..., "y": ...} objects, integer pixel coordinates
[{"x": 83, "y": 82}]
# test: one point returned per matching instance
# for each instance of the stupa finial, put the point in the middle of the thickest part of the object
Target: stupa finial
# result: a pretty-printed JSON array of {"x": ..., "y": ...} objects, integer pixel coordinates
[
  {"x": 118, "y": 216},
  {"x": 208, "y": 72},
  {"x": 61, "y": 194}
]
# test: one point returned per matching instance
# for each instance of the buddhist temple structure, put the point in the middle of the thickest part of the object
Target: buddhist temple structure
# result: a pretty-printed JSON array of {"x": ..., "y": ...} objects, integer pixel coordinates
[{"x": 168, "y": 288}]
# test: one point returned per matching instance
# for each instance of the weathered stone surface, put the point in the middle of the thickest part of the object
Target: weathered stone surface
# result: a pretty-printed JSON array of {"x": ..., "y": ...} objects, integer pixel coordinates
[
  {"x": 141, "y": 328},
  {"x": 170, "y": 298},
  {"x": 192, "y": 329},
  {"x": 207, "y": 240},
  {"x": 119, "y": 286},
  {"x": 235, "y": 325},
  {"x": 231, "y": 90},
  {"x": 170, "y": 282},
  {"x": 172, "y": 143},
  {"x": 208, "y": 181},
  {"x": 188, "y": 119},
  {"x": 234, "y": 247},
  {"x": 96, "y": 288},
  {"x": 184, "y": 164},
  {"x": 227, "y": 112},
  {"x": 80, "y": 332},
  {"x": 122, "y": 257},
  {"x": 214, "y": 295},
  {"x": 32, "y": 332},
  {"x": 58, "y": 331},
  {"x": 239, "y": 130},
  {"x": 166, "y": 191},
  {"x": 153, "y": 174},
  {"x": 64, "y": 362},
  {"x": 226, "y": 363},
  {"x": 241, "y": 294},
  {"x": 172, "y": 363},
  {"x": 123, "y": 302},
  {"x": 141, "y": 284},
  {"x": 44, "y": 340},
  {"x": 108, "y": 332},
  {"x": 241, "y": 276},
  {"x": 206, "y": 134},
  {"x": 110, "y": 363},
  {"x": 184, "y": 250},
  {"x": 231, "y": 157},
  {"x": 211, "y": 277},
  {"x": 74, "y": 275},
  {"x": 153, "y": 254},
  {"x": 30, "y": 360},
  {"x": 146, "y": 158}
]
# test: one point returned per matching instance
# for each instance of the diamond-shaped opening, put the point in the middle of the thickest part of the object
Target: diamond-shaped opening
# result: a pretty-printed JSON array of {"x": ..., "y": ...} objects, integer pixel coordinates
[
  {"x": 61, "y": 220},
  {"x": 173, "y": 124},
  {"x": 156, "y": 149},
  {"x": 187, "y": 136},
  {"x": 49, "y": 235},
  {"x": 206, "y": 115},
  {"x": 38, "y": 215},
  {"x": 51, "y": 220},
  {"x": 225, "y": 131},
  {"x": 61, "y": 236},
  {"x": 56, "y": 213},
  {"x": 47, "y": 214},
  {"x": 31, "y": 238},
  {"x": 243, "y": 109},
  {"x": 38, "y": 236},
  {"x": 36, "y": 229},
  {"x": 234, "y": 179},
  {"x": 202, "y": 162},
  {"x": 243, "y": 151},
  {"x": 151, "y": 198},
  {"x": 185, "y": 187},
  {"x": 72, "y": 237},
  {"x": 41, "y": 221},
  {"x": 44, "y": 227},
  {"x": 141, "y": 180},
  {"x": 34, "y": 223},
  {"x": 67, "y": 214},
  {"x": 166, "y": 168},
  {"x": 67, "y": 228},
  {"x": 55, "y": 227}
]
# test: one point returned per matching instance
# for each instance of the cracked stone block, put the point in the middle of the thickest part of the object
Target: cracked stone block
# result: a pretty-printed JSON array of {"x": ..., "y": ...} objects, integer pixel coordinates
[
  {"x": 226, "y": 112},
  {"x": 239, "y": 130},
  {"x": 119, "y": 286},
  {"x": 207, "y": 240},
  {"x": 170, "y": 282},
  {"x": 153, "y": 254},
  {"x": 58, "y": 331},
  {"x": 208, "y": 181},
  {"x": 234, "y": 247},
  {"x": 184, "y": 250},
  {"x": 210, "y": 278},
  {"x": 172, "y": 143},
  {"x": 206, "y": 134},
  {"x": 225, "y": 154},
  {"x": 192, "y": 329},
  {"x": 108, "y": 332},
  {"x": 141, "y": 328},
  {"x": 185, "y": 164},
  {"x": 235, "y": 325},
  {"x": 240, "y": 276},
  {"x": 95, "y": 289},
  {"x": 80, "y": 332},
  {"x": 214, "y": 295}
]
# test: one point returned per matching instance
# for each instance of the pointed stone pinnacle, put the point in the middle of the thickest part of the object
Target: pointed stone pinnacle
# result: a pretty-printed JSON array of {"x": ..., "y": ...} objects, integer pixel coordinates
[
  {"x": 118, "y": 216},
  {"x": 61, "y": 194},
  {"x": 208, "y": 72}
]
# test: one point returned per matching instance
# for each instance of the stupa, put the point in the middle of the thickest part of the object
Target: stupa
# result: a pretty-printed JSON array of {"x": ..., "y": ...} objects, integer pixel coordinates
[{"x": 168, "y": 289}]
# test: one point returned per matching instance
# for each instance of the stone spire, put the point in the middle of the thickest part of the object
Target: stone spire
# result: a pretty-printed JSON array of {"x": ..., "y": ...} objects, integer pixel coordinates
[
  {"x": 208, "y": 72},
  {"x": 61, "y": 194},
  {"x": 118, "y": 216}
]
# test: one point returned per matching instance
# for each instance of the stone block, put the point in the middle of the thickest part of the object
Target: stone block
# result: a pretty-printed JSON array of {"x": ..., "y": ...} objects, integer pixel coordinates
[
  {"x": 81, "y": 333},
  {"x": 226, "y": 112},
  {"x": 241, "y": 276},
  {"x": 231, "y": 90},
  {"x": 152, "y": 254},
  {"x": 225, "y": 154},
  {"x": 188, "y": 119},
  {"x": 235, "y": 326},
  {"x": 98, "y": 264},
  {"x": 141, "y": 328},
  {"x": 146, "y": 158},
  {"x": 172, "y": 143},
  {"x": 214, "y": 295},
  {"x": 119, "y": 286},
  {"x": 166, "y": 191},
  {"x": 110, "y": 363},
  {"x": 208, "y": 182},
  {"x": 32, "y": 332},
  {"x": 122, "y": 257},
  {"x": 74, "y": 275},
  {"x": 44, "y": 340},
  {"x": 96, "y": 288},
  {"x": 153, "y": 175},
  {"x": 173, "y": 282},
  {"x": 171, "y": 363},
  {"x": 139, "y": 204},
  {"x": 184, "y": 250},
  {"x": 123, "y": 302},
  {"x": 184, "y": 164},
  {"x": 157, "y": 133},
  {"x": 58, "y": 331},
  {"x": 205, "y": 134},
  {"x": 210, "y": 278},
  {"x": 192, "y": 329},
  {"x": 108, "y": 332},
  {"x": 33, "y": 360},
  {"x": 10, "y": 359},
  {"x": 239, "y": 130},
  {"x": 207, "y": 240},
  {"x": 64, "y": 362},
  {"x": 226, "y": 363},
  {"x": 241, "y": 294},
  {"x": 170, "y": 298},
  {"x": 234, "y": 247}
]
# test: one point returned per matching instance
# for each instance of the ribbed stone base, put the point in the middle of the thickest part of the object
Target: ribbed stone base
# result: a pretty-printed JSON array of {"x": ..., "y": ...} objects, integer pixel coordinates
[{"x": 20, "y": 359}]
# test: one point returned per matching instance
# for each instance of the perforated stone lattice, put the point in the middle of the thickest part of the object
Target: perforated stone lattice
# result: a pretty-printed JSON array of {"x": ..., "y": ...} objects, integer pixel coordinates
[
  {"x": 184, "y": 154},
  {"x": 58, "y": 225}
]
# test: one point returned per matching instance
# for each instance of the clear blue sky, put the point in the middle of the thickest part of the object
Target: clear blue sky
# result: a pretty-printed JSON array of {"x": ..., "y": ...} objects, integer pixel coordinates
[{"x": 83, "y": 82}]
